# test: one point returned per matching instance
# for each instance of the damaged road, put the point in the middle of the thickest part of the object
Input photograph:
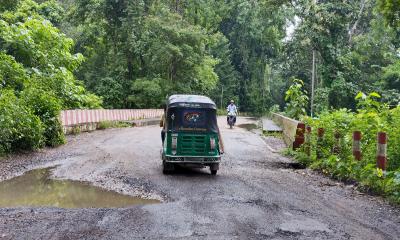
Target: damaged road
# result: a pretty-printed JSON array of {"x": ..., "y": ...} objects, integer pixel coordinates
[{"x": 257, "y": 194}]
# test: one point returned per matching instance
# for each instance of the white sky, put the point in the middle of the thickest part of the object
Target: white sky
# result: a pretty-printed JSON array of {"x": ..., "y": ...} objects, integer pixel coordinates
[{"x": 291, "y": 27}]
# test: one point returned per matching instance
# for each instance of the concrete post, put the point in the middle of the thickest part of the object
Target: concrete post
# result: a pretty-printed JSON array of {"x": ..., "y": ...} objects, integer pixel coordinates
[
  {"x": 357, "y": 145},
  {"x": 308, "y": 141},
  {"x": 381, "y": 156},
  {"x": 320, "y": 138},
  {"x": 299, "y": 138},
  {"x": 336, "y": 148}
]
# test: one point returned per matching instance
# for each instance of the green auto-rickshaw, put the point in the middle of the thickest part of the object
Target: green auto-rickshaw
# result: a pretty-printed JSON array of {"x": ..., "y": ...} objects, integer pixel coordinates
[{"x": 191, "y": 133}]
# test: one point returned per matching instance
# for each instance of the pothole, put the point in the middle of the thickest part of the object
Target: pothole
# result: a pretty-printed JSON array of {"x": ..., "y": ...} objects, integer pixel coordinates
[
  {"x": 288, "y": 165},
  {"x": 36, "y": 189}
]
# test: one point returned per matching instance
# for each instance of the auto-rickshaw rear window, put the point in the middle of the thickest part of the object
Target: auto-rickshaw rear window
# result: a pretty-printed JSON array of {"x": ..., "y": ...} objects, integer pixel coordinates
[{"x": 192, "y": 119}]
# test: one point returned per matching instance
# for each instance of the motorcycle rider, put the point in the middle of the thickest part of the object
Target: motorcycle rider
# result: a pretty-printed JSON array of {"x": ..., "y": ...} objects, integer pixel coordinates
[{"x": 232, "y": 109}]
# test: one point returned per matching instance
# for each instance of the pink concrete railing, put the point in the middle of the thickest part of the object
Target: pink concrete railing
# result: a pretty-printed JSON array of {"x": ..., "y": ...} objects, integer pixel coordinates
[{"x": 79, "y": 117}]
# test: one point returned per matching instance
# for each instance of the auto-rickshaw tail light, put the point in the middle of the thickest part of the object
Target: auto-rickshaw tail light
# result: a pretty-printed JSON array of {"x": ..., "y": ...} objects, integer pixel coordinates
[
  {"x": 212, "y": 143},
  {"x": 174, "y": 143}
]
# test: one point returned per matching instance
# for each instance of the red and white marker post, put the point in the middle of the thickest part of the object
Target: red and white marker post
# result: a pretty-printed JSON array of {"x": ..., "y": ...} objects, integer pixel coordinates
[
  {"x": 308, "y": 141},
  {"x": 337, "y": 148},
  {"x": 357, "y": 145},
  {"x": 299, "y": 138},
  {"x": 320, "y": 138},
  {"x": 381, "y": 156}
]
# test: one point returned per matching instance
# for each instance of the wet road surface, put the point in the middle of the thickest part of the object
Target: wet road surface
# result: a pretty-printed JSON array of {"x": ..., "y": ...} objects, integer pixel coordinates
[{"x": 257, "y": 194}]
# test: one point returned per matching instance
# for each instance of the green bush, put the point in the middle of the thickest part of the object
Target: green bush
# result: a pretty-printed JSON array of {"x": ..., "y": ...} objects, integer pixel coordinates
[
  {"x": 36, "y": 77},
  {"x": 370, "y": 118},
  {"x": 45, "y": 105},
  {"x": 274, "y": 109},
  {"x": 112, "y": 124},
  {"x": 296, "y": 100},
  {"x": 104, "y": 125},
  {"x": 19, "y": 127}
]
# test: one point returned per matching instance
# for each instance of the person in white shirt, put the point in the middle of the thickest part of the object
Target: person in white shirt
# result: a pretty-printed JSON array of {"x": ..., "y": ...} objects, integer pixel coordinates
[{"x": 232, "y": 109}]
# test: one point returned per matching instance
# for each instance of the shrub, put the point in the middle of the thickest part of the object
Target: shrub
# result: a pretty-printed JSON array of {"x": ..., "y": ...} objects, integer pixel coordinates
[
  {"x": 370, "y": 118},
  {"x": 45, "y": 105},
  {"x": 36, "y": 76},
  {"x": 274, "y": 108},
  {"x": 296, "y": 100},
  {"x": 104, "y": 125},
  {"x": 19, "y": 127},
  {"x": 112, "y": 124}
]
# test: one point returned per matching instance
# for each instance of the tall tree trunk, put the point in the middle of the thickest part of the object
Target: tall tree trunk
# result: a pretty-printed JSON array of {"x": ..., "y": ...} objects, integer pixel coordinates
[
  {"x": 129, "y": 62},
  {"x": 353, "y": 29},
  {"x": 177, "y": 6}
]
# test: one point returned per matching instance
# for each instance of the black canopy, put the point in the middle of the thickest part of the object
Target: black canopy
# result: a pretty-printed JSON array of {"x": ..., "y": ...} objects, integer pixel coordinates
[{"x": 191, "y": 101}]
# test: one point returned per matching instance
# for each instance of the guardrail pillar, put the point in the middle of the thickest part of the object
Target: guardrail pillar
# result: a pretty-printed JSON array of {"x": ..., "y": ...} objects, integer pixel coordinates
[
  {"x": 320, "y": 138},
  {"x": 381, "y": 158},
  {"x": 308, "y": 141},
  {"x": 357, "y": 145},
  {"x": 336, "y": 148},
  {"x": 299, "y": 138}
]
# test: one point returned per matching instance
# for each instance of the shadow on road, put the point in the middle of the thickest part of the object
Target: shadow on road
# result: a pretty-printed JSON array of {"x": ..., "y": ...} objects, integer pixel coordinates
[{"x": 191, "y": 172}]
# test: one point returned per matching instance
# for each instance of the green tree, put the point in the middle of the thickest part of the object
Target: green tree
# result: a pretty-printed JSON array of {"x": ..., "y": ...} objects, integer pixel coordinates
[
  {"x": 391, "y": 10},
  {"x": 296, "y": 100},
  {"x": 36, "y": 76}
]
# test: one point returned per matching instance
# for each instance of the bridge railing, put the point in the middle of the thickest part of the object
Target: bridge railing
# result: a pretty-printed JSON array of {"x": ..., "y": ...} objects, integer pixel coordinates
[
  {"x": 289, "y": 127},
  {"x": 87, "y": 119}
]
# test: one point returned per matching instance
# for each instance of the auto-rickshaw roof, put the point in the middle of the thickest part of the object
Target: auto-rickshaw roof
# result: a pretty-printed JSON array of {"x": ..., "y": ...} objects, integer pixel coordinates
[{"x": 192, "y": 101}]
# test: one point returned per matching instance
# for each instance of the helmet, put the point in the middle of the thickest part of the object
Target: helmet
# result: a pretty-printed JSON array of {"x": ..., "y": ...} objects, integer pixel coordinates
[{"x": 232, "y": 101}]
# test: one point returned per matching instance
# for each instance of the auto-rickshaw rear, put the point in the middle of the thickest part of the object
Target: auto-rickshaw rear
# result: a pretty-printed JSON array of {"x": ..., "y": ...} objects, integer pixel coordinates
[{"x": 191, "y": 133}]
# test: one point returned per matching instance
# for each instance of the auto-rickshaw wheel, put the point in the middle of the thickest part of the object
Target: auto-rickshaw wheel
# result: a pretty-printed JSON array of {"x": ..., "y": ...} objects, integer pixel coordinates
[
  {"x": 214, "y": 168},
  {"x": 168, "y": 168}
]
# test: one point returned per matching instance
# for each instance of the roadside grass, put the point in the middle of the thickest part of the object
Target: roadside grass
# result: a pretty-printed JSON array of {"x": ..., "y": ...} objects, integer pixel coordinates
[
  {"x": 273, "y": 134},
  {"x": 112, "y": 124},
  {"x": 331, "y": 151},
  {"x": 75, "y": 130},
  {"x": 372, "y": 181}
]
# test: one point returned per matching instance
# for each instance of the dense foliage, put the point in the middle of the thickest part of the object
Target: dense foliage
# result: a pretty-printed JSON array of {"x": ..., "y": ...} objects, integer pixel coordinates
[
  {"x": 135, "y": 53},
  {"x": 296, "y": 99},
  {"x": 370, "y": 118},
  {"x": 243, "y": 50},
  {"x": 36, "y": 76},
  {"x": 138, "y": 52},
  {"x": 355, "y": 50}
]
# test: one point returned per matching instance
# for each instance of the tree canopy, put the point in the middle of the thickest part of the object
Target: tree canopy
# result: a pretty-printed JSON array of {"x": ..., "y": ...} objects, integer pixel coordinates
[
  {"x": 132, "y": 54},
  {"x": 36, "y": 76},
  {"x": 249, "y": 51}
]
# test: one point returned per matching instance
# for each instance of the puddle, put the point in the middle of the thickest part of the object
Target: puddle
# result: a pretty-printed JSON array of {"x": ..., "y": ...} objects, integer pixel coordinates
[
  {"x": 248, "y": 126},
  {"x": 36, "y": 189}
]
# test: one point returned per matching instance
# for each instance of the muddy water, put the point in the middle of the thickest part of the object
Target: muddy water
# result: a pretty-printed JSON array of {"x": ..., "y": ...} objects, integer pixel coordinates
[{"x": 36, "y": 189}]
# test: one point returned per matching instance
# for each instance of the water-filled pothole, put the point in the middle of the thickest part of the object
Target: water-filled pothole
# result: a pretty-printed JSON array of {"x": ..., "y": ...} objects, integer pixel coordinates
[
  {"x": 36, "y": 189},
  {"x": 288, "y": 165}
]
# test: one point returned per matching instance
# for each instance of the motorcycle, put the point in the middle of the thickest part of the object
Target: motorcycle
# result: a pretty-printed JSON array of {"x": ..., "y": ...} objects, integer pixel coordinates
[{"x": 231, "y": 119}]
